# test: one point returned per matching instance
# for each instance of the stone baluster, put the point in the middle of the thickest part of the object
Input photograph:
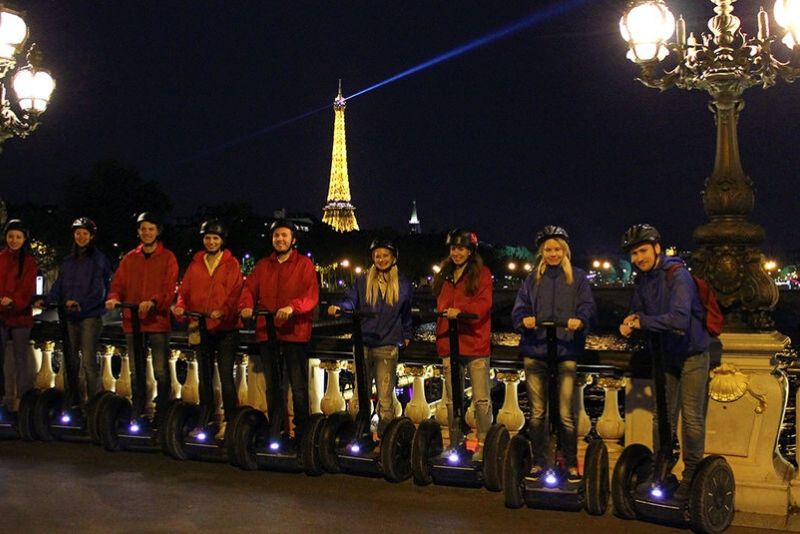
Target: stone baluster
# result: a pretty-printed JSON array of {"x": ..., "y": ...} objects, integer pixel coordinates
[
  {"x": 510, "y": 413},
  {"x": 316, "y": 385},
  {"x": 150, "y": 381},
  {"x": 584, "y": 423},
  {"x": 219, "y": 412},
  {"x": 175, "y": 384},
  {"x": 256, "y": 388},
  {"x": 107, "y": 376},
  {"x": 440, "y": 406},
  {"x": 418, "y": 409},
  {"x": 190, "y": 392},
  {"x": 611, "y": 425},
  {"x": 241, "y": 380},
  {"x": 123, "y": 386},
  {"x": 332, "y": 401},
  {"x": 35, "y": 355},
  {"x": 46, "y": 378}
]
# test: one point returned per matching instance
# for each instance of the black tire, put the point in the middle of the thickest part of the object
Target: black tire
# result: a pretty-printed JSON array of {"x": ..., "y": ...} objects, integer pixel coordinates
[
  {"x": 182, "y": 419},
  {"x": 230, "y": 430},
  {"x": 396, "y": 449},
  {"x": 93, "y": 410},
  {"x": 309, "y": 446},
  {"x": 250, "y": 425},
  {"x": 47, "y": 406},
  {"x": 25, "y": 421},
  {"x": 516, "y": 465},
  {"x": 711, "y": 501},
  {"x": 337, "y": 430},
  {"x": 427, "y": 444},
  {"x": 163, "y": 425},
  {"x": 112, "y": 410},
  {"x": 595, "y": 478},
  {"x": 494, "y": 450},
  {"x": 634, "y": 466}
]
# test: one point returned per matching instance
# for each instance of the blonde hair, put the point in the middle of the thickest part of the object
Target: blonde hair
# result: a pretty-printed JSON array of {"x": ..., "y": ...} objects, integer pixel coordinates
[
  {"x": 566, "y": 265},
  {"x": 373, "y": 289}
]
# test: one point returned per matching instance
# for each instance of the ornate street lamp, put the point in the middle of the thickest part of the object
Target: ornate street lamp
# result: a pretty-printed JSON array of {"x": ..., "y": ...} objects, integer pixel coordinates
[
  {"x": 723, "y": 63},
  {"x": 32, "y": 85}
]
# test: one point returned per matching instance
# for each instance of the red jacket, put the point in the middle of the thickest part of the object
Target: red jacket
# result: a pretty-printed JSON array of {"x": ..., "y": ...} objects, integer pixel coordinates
[
  {"x": 474, "y": 335},
  {"x": 202, "y": 292},
  {"x": 19, "y": 290},
  {"x": 273, "y": 285},
  {"x": 139, "y": 278}
]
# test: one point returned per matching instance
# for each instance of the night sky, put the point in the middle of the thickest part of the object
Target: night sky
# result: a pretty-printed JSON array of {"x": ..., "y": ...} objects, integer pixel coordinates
[{"x": 546, "y": 125}]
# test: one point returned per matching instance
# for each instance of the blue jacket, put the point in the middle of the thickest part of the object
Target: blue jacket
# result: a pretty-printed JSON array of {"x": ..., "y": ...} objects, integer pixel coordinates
[
  {"x": 672, "y": 308},
  {"x": 85, "y": 279},
  {"x": 392, "y": 324},
  {"x": 552, "y": 299}
]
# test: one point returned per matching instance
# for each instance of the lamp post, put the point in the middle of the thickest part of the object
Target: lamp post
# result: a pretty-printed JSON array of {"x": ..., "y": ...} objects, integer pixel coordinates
[
  {"x": 32, "y": 85},
  {"x": 723, "y": 63}
]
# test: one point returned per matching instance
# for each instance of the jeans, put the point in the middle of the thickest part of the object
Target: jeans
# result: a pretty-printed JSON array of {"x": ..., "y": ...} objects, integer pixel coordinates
[
  {"x": 478, "y": 369},
  {"x": 687, "y": 390},
  {"x": 159, "y": 345},
  {"x": 287, "y": 367},
  {"x": 84, "y": 369},
  {"x": 19, "y": 367},
  {"x": 537, "y": 384},
  {"x": 220, "y": 346},
  {"x": 381, "y": 366}
]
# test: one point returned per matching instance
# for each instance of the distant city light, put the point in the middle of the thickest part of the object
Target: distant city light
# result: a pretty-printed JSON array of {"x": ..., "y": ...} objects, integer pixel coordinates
[{"x": 512, "y": 266}]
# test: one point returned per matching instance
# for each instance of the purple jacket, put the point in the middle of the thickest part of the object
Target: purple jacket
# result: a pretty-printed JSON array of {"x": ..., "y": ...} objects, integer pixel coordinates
[
  {"x": 672, "y": 308},
  {"x": 392, "y": 324},
  {"x": 553, "y": 300},
  {"x": 86, "y": 280}
]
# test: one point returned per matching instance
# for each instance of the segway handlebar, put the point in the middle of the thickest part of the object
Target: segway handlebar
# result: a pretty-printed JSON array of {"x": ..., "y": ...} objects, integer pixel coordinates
[
  {"x": 461, "y": 316},
  {"x": 263, "y": 313},
  {"x": 552, "y": 324},
  {"x": 195, "y": 314},
  {"x": 127, "y": 305},
  {"x": 357, "y": 313}
]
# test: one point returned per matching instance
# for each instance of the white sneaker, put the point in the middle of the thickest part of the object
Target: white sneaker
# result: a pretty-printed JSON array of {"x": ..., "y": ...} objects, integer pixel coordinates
[{"x": 221, "y": 432}]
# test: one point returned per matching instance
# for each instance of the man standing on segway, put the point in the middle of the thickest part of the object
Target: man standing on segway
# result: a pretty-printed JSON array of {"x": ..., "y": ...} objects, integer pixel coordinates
[
  {"x": 284, "y": 283},
  {"x": 147, "y": 276},
  {"x": 666, "y": 302}
]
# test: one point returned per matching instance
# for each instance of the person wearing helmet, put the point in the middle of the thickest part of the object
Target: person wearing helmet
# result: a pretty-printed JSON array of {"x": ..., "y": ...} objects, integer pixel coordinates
[
  {"x": 285, "y": 283},
  {"x": 556, "y": 291},
  {"x": 17, "y": 285},
  {"x": 666, "y": 301},
  {"x": 384, "y": 291},
  {"x": 82, "y": 286},
  {"x": 147, "y": 275},
  {"x": 464, "y": 284},
  {"x": 212, "y": 284}
]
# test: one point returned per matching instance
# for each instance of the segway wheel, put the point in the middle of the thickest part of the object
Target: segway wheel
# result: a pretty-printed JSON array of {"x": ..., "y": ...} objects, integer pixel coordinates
[
  {"x": 47, "y": 406},
  {"x": 634, "y": 466},
  {"x": 182, "y": 419},
  {"x": 337, "y": 430},
  {"x": 396, "y": 449},
  {"x": 516, "y": 464},
  {"x": 230, "y": 434},
  {"x": 247, "y": 430},
  {"x": 112, "y": 410},
  {"x": 595, "y": 478},
  {"x": 25, "y": 421},
  {"x": 93, "y": 410},
  {"x": 309, "y": 446},
  {"x": 427, "y": 444},
  {"x": 711, "y": 501},
  {"x": 494, "y": 449}
]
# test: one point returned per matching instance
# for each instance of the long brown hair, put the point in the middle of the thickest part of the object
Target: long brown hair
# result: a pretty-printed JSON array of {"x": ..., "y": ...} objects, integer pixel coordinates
[{"x": 471, "y": 274}]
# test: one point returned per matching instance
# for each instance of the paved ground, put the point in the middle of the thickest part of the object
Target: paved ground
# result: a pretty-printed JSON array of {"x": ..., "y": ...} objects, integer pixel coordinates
[{"x": 59, "y": 487}]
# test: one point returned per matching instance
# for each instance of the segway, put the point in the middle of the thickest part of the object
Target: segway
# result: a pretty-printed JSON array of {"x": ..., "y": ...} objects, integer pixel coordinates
[
  {"x": 255, "y": 446},
  {"x": 19, "y": 424},
  {"x": 121, "y": 425},
  {"x": 551, "y": 489},
  {"x": 347, "y": 445},
  {"x": 189, "y": 431},
  {"x": 643, "y": 486},
  {"x": 430, "y": 463}
]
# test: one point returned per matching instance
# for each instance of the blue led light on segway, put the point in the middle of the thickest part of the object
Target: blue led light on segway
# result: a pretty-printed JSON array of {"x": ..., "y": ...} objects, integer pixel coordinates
[
  {"x": 66, "y": 418},
  {"x": 355, "y": 448},
  {"x": 656, "y": 492},
  {"x": 274, "y": 446},
  {"x": 550, "y": 479},
  {"x": 134, "y": 428},
  {"x": 453, "y": 457},
  {"x": 201, "y": 436}
]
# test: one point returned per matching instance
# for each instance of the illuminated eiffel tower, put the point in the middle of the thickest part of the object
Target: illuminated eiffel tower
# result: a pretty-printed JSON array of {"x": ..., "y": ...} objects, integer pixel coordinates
[{"x": 339, "y": 213}]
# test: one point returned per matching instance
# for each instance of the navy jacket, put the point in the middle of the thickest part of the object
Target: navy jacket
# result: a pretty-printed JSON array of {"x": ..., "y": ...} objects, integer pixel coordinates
[
  {"x": 85, "y": 279},
  {"x": 392, "y": 324},
  {"x": 672, "y": 308},
  {"x": 552, "y": 299}
]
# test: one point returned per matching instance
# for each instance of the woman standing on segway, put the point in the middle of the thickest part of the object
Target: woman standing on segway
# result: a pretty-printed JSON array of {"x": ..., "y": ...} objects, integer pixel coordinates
[
  {"x": 383, "y": 291},
  {"x": 464, "y": 284},
  {"x": 555, "y": 292},
  {"x": 82, "y": 285},
  {"x": 17, "y": 285}
]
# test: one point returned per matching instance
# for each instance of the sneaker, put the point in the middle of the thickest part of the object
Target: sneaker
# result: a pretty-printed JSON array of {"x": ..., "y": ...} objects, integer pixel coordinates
[
  {"x": 683, "y": 491},
  {"x": 196, "y": 432},
  {"x": 221, "y": 432},
  {"x": 477, "y": 456},
  {"x": 536, "y": 472},
  {"x": 573, "y": 476}
]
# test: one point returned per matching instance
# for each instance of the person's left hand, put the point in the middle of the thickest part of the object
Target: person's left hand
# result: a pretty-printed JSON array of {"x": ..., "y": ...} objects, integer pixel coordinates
[
  {"x": 574, "y": 324},
  {"x": 284, "y": 313},
  {"x": 452, "y": 313},
  {"x": 216, "y": 314},
  {"x": 6, "y": 302},
  {"x": 145, "y": 307}
]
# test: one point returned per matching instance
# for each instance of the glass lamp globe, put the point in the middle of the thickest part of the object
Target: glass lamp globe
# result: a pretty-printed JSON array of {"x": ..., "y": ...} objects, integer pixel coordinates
[{"x": 646, "y": 27}]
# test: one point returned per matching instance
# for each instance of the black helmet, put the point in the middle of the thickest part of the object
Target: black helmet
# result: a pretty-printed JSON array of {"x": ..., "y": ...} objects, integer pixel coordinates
[
  {"x": 550, "y": 232},
  {"x": 283, "y": 223},
  {"x": 640, "y": 233},
  {"x": 462, "y": 238},
  {"x": 86, "y": 223},
  {"x": 148, "y": 216},
  {"x": 213, "y": 227},
  {"x": 383, "y": 243},
  {"x": 16, "y": 224}
]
